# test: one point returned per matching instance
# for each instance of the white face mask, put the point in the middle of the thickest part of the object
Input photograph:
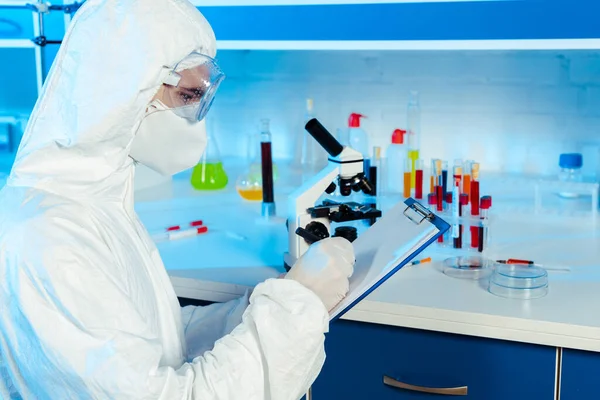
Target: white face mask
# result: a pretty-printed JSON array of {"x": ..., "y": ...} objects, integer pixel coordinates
[{"x": 167, "y": 143}]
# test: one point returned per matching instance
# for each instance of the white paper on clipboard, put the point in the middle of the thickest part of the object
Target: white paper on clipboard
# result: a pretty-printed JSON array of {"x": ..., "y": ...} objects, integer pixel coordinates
[{"x": 393, "y": 240}]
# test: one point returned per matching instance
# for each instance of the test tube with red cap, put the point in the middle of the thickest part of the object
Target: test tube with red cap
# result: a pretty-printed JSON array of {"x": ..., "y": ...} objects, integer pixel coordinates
[
  {"x": 419, "y": 179},
  {"x": 485, "y": 205},
  {"x": 474, "y": 197}
]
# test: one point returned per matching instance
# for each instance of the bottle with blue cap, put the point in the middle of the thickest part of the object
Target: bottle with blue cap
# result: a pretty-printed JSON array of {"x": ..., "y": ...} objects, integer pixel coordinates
[{"x": 570, "y": 171}]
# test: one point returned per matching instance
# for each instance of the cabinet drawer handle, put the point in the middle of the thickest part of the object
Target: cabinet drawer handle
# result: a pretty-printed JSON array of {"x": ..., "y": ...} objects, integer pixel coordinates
[{"x": 453, "y": 391}]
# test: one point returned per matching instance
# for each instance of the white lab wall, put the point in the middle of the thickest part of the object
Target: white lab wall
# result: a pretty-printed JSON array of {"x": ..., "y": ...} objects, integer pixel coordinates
[{"x": 512, "y": 111}]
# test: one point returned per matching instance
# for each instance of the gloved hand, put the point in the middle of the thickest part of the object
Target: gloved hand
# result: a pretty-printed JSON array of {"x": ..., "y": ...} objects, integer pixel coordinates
[{"x": 325, "y": 269}]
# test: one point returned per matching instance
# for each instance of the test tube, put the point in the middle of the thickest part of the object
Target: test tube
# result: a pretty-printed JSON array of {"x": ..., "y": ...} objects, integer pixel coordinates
[
  {"x": 449, "y": 233},
  {"x": 457, "y": 175},
  {"x": 433, "y": 201},
  {"x": 486, "y": 204},
  {"x": 266, "y": 157},
  {"x": 474, "y": 197},
  {"x": 444, "y": 177},
  {"x": 432, "y": 177},
  {"x": 373, "y": 170},
  {"x": 467, "y": 177},
  {"x": 407, "y": 177},
  {"x": 419, "y": 179},
  {"x": 464, "y": 200},
  {"x": 439, "y": 193}
]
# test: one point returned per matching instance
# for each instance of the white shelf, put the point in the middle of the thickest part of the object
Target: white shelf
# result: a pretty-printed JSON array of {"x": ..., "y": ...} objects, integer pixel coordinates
[
  {"x": 16, "y": 44},
  {"x": 237, "y": 3},
  {"x": 553, "y": 44}
]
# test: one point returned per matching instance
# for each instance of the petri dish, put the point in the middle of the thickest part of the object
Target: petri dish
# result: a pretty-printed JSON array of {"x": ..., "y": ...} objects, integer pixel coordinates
[
  {"x": 468, "y": 267},
  {"x": 518, "y": 281}
]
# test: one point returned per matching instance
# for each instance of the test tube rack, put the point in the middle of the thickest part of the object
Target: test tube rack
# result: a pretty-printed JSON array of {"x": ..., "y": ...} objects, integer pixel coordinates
[{"x": 474, "y": 234}]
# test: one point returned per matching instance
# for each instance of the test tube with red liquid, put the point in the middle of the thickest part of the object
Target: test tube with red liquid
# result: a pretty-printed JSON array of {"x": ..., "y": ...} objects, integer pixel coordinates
[
  {"x": 485, "y": 205},
  {"x": 439, "y": 192},
  {"x": 268, "y": 203},
  {"x": 419, "y": 179},
  {"x": 444, "y": 178},
  {"x": 474, "y": 198}
]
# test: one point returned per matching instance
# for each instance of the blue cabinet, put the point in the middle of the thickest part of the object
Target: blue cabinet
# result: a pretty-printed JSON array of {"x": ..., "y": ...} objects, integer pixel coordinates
[
  {"x": 407, "y": 21},
  {"x": 369, "y": 361},
  {"x": 579, "y": 375}
]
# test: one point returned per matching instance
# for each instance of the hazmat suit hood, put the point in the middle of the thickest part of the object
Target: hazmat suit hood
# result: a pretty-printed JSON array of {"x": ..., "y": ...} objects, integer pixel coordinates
[{"x": 77, "y": 141}]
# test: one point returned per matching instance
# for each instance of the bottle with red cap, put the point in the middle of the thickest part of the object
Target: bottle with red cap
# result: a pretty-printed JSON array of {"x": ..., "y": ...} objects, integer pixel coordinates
[
  {"x": 396, "y": 155},
  {"x": 357, "y": 136}
]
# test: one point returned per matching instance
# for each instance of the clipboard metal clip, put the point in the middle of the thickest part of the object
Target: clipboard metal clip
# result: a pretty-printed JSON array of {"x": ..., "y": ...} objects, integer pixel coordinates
[{"x": 417, "y": 213}]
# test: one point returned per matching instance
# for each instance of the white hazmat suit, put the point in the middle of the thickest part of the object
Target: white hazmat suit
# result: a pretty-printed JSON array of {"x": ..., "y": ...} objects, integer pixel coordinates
[{"x": 87, "y": 308}]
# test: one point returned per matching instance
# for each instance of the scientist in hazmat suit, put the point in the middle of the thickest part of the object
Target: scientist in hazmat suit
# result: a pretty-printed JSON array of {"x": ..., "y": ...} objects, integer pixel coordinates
[{"x": 87, "y": 310}]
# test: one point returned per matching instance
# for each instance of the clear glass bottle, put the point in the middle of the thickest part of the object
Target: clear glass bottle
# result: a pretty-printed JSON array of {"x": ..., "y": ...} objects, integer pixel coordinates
[{"x": 570, "y": 171}]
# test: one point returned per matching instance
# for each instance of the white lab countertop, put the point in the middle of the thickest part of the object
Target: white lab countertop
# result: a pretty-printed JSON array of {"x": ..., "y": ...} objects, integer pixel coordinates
[{"x": 240, "y": 252}]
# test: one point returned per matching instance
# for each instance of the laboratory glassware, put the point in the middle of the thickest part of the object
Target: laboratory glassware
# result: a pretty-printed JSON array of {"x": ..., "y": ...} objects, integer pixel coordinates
[
  {"x": 396, "y": 155},
  {"x": 209, "y": 173},
  {"x": 468, "y": 267},
  {"x": 413, "y": 130},
  {"x": 266, "y": 155},
  {"x": 419, "y": 179},
  {"x": 517, "y": 281},
  {"x": 249, "y": 182},
  {"x": 570, "y": 171},
  {"x": 407, "y": 178}
]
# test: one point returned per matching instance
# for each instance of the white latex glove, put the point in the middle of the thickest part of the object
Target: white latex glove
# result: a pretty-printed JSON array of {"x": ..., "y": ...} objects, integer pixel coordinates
[{"x": 325, "y": 269}]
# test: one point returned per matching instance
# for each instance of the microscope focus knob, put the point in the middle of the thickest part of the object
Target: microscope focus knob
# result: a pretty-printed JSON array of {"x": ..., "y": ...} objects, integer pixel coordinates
[
  {"x": 318, "y": 229},
  {"x": 331, "y": 188}
]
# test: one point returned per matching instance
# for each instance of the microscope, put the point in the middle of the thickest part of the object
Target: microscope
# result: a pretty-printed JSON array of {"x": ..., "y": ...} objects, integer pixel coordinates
[{"x": 307, "y": 222}]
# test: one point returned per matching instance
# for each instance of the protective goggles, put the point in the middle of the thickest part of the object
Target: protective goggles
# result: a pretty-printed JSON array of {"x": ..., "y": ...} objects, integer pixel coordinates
[{"x": 191, "y": 86}]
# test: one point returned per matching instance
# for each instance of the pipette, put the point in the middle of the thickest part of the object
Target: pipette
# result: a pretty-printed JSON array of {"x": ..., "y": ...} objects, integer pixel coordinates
[{"x": 533, "y": 264}]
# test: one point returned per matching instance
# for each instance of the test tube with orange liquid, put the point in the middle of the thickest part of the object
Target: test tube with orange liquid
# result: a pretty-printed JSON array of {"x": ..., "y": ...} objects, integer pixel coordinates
[
  {"x": 466, "y": 186},
  {"x": 407, "y": 177},
  {"x": 432, "y": 177}
]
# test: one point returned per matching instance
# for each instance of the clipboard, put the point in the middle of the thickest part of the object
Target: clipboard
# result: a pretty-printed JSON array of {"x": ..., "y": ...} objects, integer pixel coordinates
[{"x": 391, "y": 243}]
